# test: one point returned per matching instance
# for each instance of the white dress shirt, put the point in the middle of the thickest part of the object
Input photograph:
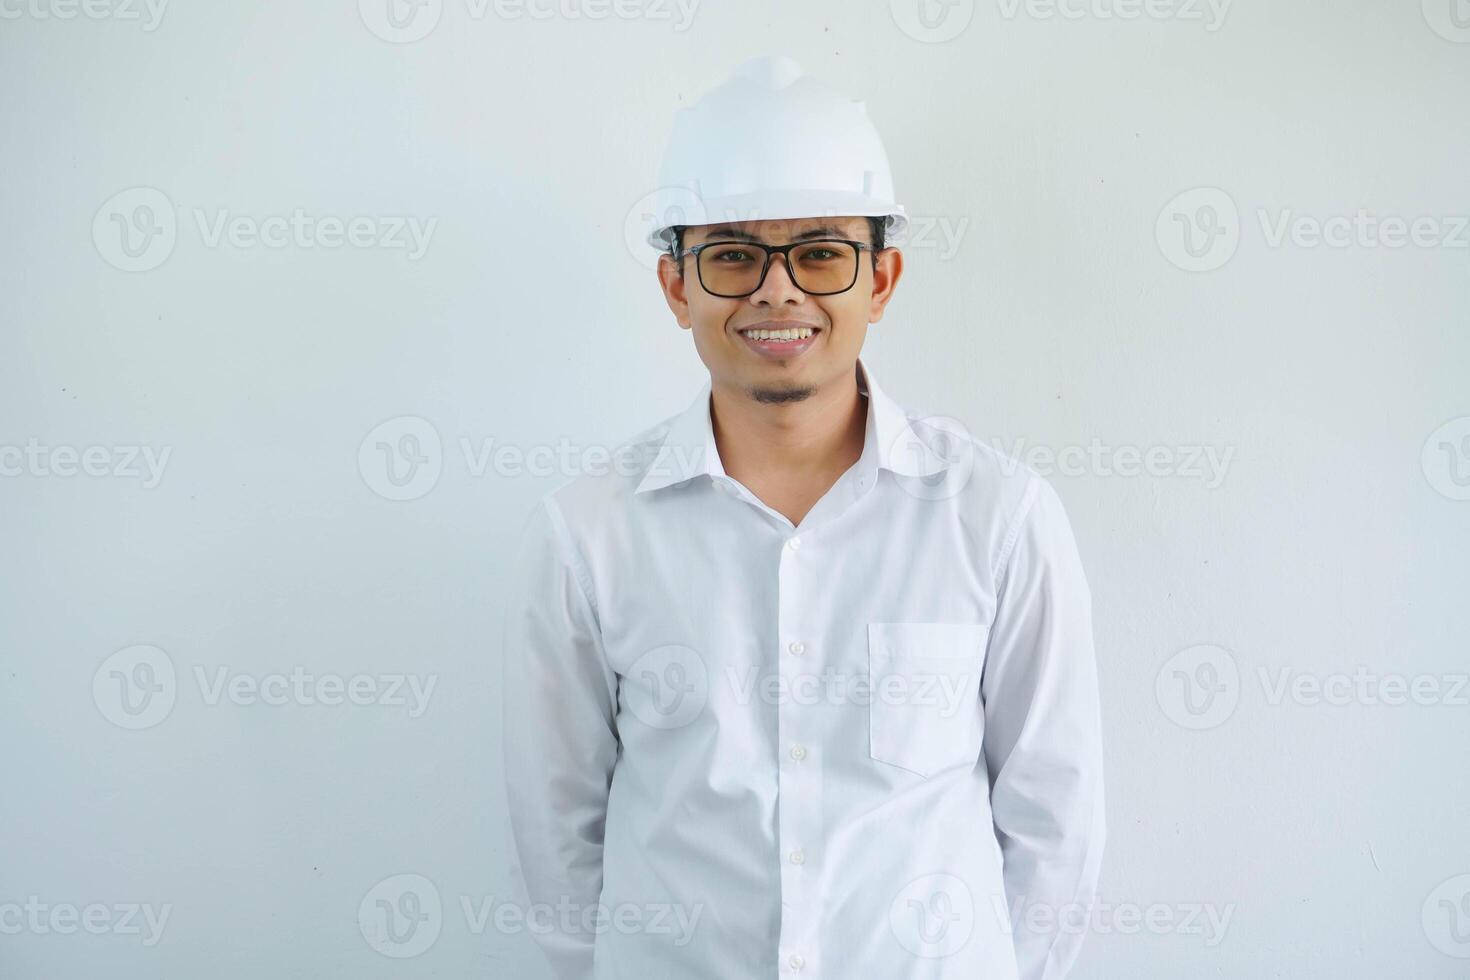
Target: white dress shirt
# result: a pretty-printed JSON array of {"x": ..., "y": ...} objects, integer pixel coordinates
[{"x": 865, "y": 746}]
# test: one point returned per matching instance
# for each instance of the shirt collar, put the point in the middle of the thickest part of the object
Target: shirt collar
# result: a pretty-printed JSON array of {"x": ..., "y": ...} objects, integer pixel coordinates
[{"x": 688, "y": 446}]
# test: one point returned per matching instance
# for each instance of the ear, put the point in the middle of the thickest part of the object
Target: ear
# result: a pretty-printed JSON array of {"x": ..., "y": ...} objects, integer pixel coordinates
[
  {"x": 886, "y": 273},
  {"x": 674, "y": 289}
]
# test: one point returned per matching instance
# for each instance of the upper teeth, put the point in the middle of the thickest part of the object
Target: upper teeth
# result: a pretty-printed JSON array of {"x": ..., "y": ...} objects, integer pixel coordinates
[{"x": 791, "y": 333}]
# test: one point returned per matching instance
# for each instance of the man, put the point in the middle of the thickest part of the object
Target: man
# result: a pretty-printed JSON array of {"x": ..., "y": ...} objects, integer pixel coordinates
[{"x": 807, "y": 687}]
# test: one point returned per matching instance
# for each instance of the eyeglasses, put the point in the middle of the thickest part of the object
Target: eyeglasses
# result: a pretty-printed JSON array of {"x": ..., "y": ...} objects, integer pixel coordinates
[{"x": 818, "y": 267}]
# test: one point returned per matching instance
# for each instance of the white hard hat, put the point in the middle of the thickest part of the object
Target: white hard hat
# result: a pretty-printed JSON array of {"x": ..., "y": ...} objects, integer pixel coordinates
[{"x": 773, "y": 142}]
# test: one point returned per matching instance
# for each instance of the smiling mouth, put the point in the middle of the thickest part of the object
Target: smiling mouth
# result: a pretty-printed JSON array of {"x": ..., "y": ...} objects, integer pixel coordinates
[{"x": 779, "y": 334}]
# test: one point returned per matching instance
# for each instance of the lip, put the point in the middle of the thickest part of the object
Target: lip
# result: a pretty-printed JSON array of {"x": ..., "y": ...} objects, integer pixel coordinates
[{"x": 779, "y": 349}]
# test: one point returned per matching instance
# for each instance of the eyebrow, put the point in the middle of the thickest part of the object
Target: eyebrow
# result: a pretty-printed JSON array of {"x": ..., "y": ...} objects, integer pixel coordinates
[{"x": 727, "y": 231}]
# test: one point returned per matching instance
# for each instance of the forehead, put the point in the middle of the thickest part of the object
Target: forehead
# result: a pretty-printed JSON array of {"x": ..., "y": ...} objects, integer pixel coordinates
[{"x": 778, "y": 231}]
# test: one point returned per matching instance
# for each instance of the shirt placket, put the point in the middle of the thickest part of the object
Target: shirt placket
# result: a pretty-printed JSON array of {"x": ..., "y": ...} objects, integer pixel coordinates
[
  {"x": 799, "y": 771},
  {"x": 799, "y": 805}
]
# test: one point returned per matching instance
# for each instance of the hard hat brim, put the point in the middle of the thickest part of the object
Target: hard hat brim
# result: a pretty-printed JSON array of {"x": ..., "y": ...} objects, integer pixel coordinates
[{"x": 773, "y": 206}]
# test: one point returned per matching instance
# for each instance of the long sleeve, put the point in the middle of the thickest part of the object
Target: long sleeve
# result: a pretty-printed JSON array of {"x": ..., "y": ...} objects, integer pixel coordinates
[
  {"x": 560, "y": 739},
  {"x": 1043, "y": 743}
]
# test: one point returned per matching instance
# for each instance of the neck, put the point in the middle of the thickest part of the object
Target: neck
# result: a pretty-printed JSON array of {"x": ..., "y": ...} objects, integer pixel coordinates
[{"x": 816, "y": 436}]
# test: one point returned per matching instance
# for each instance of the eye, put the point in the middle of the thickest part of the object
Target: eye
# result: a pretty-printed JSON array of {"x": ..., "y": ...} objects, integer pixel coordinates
[
  {"x": 824, "y": 255},
  {"x": 733, "y": 256}
]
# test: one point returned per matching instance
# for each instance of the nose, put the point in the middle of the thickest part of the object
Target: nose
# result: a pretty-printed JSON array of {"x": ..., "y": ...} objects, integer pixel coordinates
[{"x": 779, "y": 287}]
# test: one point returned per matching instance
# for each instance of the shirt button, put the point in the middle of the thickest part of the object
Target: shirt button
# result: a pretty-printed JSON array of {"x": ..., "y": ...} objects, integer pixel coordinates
[
  {"x": 794, "y": 543},
  {"x": 798, "y": 857},
  {"x": 798, "y": 752},
  {"x": 796, "y": 961},
  {"x": 797, "y": 648}
]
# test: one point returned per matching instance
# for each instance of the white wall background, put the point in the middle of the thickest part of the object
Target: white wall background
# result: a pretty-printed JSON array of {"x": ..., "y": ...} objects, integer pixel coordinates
[{"x": 1041, "y": 147}]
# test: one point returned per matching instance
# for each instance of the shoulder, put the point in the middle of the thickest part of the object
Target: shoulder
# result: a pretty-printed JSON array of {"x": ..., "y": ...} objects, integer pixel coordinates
[
  {"x": 606, "y": 480},
  {"x": 990, "y": 480},
  {"x": 995, "y": 495}
]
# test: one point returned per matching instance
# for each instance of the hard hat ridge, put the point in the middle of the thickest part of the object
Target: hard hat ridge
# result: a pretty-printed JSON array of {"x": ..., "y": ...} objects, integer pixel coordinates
[{"x": 771, "y": 71}]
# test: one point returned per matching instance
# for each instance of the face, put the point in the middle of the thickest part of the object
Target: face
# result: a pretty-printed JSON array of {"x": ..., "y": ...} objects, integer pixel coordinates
[{"x": 828, "y": 330}]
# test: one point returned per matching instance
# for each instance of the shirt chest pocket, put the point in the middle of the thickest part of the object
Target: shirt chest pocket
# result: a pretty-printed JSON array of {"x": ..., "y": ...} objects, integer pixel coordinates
[{"x": 925, "y": 714}]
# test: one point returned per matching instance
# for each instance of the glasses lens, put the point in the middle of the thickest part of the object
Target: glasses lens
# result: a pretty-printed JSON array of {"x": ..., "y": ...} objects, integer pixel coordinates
[
  {"x": 824, "y": 267},
  {"x": 731, "y": 268},
  {"x": 734, "y": 268}
]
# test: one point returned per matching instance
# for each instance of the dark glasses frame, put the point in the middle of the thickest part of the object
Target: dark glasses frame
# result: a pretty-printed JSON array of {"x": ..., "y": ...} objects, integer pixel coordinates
[{"x": 785, "y": 252}]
